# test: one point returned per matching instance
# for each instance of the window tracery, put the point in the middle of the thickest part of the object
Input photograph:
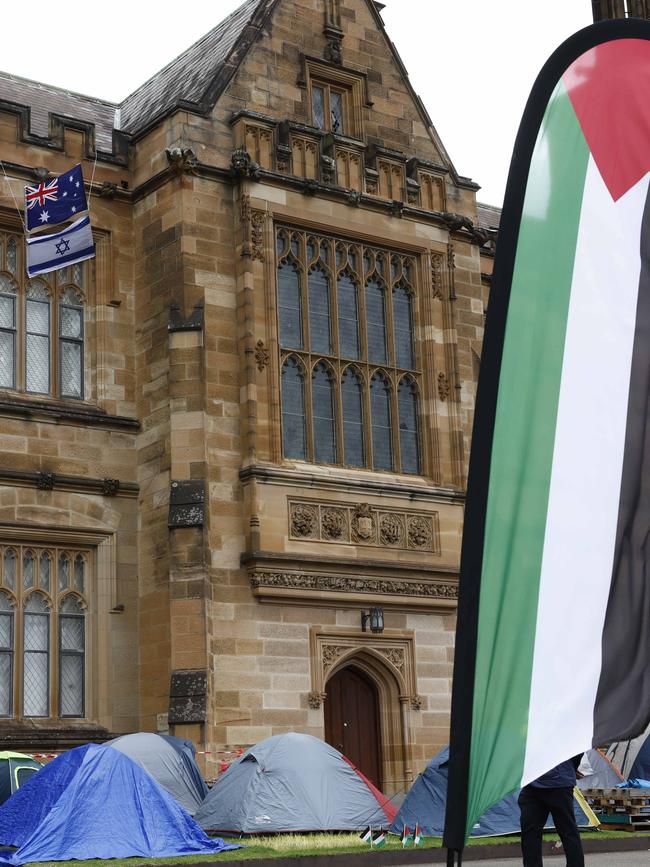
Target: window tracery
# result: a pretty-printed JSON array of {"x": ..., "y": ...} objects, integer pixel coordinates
[{"x": 349, "y": 382}]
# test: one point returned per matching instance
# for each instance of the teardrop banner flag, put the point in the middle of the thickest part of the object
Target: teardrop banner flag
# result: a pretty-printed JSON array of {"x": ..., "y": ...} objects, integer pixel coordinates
[{"x": 553, "y": 636}]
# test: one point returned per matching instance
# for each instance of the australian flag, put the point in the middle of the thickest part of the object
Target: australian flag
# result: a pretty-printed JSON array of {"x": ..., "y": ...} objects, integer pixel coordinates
[{"x": 56, "y": 201}]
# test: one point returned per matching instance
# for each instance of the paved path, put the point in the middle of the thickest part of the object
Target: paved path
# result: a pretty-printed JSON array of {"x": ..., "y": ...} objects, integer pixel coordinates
[{"x": 604, "y": 859}]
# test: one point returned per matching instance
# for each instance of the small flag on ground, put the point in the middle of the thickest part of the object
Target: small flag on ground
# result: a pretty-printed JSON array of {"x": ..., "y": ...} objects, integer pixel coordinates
[
  {"x": 366, "y": 835},
  {"x": 55, "y": 201},
  {"x": 407, "y": 837},
  {"x": 51, "y": 252},
  {"x": 418, "y": 839},
  {"x": 379, "y": 839}
]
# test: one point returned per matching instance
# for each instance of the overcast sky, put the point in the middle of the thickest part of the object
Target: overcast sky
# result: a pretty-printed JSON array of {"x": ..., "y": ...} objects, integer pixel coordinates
[{"x": 472, "y": 62}]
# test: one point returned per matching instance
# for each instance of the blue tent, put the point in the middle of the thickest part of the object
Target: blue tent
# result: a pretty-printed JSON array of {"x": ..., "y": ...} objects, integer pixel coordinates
[
  {"x": 424, "y": 805},
  {"x": 95, "y": 802}
]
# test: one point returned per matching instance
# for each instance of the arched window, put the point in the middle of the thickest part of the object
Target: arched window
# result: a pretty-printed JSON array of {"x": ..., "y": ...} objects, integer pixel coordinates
[
  {"x": 29, "y": 578},
  {"x": 408, "y": 427},
  {"x": 72, "y": 652},
  {"x": 294, "y": 438},
  {"x": 9, "y": 568},
  {"x": 376, "y": 322},
  {"x": 289, "y": 306},
  {"x": 63, "y": 581},
  {"x": 6, "y": 655},
  {"x": 403, "y": 324},
  {"x": 348, "y": 305},
  {"x": 37, "y": 338},
  {"x": 45, "y": 571},
  {"x": 36, "y": 657},
  {"x": 323, "y": 415},
  {"x": 354, "y": 452},
  {"x": 71, "y": 344},
  {"x": 79, "y": 573},
  {"x": 8, "y": 300},
  {"x": 382, "y": 450},
  {"x": 319, "y": 311}
]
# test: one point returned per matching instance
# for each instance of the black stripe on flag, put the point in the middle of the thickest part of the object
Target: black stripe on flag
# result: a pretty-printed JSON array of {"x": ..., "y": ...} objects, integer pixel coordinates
[{"x": 622, "y": 708}]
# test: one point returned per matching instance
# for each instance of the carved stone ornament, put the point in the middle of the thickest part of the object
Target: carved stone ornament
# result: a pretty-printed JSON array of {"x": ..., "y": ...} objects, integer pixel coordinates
[
  {"x": 107, "y": 190},
  {"x": 354, "y": 198},
  {"x": 436, "y": 275},
  {"x": 45, "y": 481},
  {"x": 257, "y": 235},
  {"x": 181, "y": 160},
  {"x": 363, "y": 522},
  {"x": 314, "y": 700},
  {"x": 333, "y": 524},
  {"x": 303, "y": 520},
  {"x": 394, "y": 655},
  {"x": 331, "y": 653},
  {"x": 333, "y": 50},
  {"x": 420, "y": 532},
  {"x": 417, "y": 702},
  {"x": 397, "y": 208},
  {"x": 110, "y": 487},
  {"x": 242, "y": 166},
  {"x": 443, "y": 386},
  {"x": 327, "y": 169},
  {"x": 262, "y": 355},
  {"x": 348, "y": 583},
  {"x": 391, "y": 529}
]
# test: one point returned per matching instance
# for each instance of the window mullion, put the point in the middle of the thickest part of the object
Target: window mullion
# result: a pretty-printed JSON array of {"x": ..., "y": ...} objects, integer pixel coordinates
[
  {"x": 309, "y": 408},
  {"x": 370, "y": 452}
]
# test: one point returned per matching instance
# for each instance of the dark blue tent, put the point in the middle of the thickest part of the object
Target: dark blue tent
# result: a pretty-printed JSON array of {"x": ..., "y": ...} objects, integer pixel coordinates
[
  {"x": 424, "y": 805},
  {"x": 641, "y": 766},
  {"x": 95, "y": 802}
]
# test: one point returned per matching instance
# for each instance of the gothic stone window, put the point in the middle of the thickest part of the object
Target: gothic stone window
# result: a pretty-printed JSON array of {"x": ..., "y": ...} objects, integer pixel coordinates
[
  {"x": 41, "y": 326},
  {"x": 43, "y": 604},
  {"x": 350, "y": 380},
  {"x": 336, "y": 98}
]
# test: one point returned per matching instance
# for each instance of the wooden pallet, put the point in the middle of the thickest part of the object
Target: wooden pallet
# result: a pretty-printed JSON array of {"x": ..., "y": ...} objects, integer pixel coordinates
[{"x": 621, "y": 809}]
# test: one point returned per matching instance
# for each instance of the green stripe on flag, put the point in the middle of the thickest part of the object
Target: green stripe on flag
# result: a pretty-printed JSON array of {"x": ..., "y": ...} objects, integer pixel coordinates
[{"x": 522, "y": 453}]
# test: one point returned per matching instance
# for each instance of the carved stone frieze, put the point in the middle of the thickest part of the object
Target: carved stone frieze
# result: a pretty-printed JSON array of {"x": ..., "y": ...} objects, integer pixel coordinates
[
  {"x": 417, "y": 702},
  {"x": 352, "y": 584},
  {"x": 258, "y": 219},
  {"x": 363, "y": 524},
  {"x": 331, "y": 653}
]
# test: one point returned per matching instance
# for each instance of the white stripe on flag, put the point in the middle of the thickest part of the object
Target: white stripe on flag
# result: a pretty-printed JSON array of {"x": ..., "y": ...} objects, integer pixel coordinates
[
  {"x": 53, "y": 251},
  {"x": 587, "y": 464}
]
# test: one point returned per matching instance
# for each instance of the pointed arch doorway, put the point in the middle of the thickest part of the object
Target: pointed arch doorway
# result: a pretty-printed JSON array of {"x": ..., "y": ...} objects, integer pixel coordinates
[{"x": 352, "y": 722}]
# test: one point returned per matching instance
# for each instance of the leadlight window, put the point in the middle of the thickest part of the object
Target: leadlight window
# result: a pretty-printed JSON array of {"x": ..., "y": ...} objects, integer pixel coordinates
[
  {"x": 350, "y": 383},
  {"x": 41, "y": 326},
  {"x": 43, "y": 631},
  {"x": 329, "y": 106}
]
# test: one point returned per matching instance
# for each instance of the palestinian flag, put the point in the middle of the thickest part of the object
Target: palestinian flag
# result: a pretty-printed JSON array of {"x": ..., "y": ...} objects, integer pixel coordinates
[
  {"x": 407, "y": 837},
  {"x": 379, "y": 840},
  {"x": 553, "y": 641},
  {"x": 366, "y": 835},
  {"x": 418, "y": 839}
]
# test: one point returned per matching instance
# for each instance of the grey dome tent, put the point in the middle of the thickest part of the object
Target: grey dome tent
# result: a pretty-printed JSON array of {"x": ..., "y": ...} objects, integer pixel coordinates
[
  {"x": 600, "y": 773},
  {"x": 632, "y": 758},
  {"x": 293, "y": 782},
  {"x": 170, "y": 761}
]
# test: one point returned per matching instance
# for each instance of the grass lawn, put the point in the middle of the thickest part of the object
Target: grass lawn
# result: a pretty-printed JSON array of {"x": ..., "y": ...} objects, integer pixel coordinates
[{"x": 285, "y": 845}]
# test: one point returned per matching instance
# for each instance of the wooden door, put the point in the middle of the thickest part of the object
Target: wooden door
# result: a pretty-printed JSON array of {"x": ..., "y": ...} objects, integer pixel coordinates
[{"x": 352, "y": 721}]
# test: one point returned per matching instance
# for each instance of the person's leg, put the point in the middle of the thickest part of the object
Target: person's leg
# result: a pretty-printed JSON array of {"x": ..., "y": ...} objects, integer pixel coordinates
[
  {"x": 561, "y": 807},
  {"x": 533, "y": 816}
]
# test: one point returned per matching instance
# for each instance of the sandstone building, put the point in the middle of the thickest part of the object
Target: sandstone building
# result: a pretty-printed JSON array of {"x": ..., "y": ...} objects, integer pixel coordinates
[{"x": 246, "y": 422}]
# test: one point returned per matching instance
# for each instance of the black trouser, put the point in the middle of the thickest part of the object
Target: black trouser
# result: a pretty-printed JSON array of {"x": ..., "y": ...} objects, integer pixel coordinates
[{"x": 535, "y": 805}]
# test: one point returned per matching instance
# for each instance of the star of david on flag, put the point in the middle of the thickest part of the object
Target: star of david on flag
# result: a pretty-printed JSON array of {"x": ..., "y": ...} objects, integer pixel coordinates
[
  {"x": 53, "y": 251},
  {"x": 55, "y": 201}
]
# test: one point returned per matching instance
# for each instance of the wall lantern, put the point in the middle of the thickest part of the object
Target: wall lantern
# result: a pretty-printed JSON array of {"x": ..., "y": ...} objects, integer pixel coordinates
[{"x": 376, "y": 618}]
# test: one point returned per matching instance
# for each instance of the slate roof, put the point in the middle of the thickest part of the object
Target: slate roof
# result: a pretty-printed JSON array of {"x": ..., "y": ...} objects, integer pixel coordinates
[
  {"x": 44, "y": 99},
  {"x": 187, "y": 78},
  {"x": 489, "y": 216}
]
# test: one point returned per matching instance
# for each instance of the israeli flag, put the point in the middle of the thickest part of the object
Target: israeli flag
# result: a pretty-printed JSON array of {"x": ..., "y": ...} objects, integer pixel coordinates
[{"x": 51, "y": 252}]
